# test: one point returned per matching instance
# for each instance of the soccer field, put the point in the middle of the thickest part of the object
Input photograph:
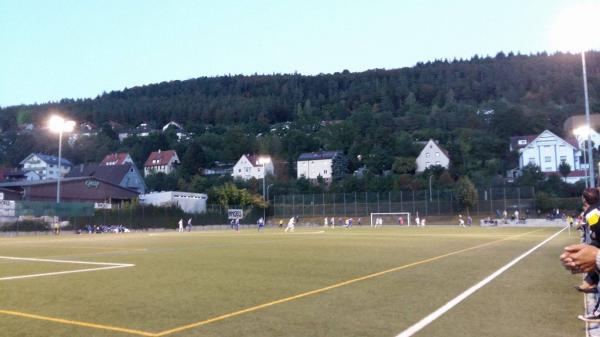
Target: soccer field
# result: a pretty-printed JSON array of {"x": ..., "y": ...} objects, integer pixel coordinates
[{"x": 313, "y": 282}]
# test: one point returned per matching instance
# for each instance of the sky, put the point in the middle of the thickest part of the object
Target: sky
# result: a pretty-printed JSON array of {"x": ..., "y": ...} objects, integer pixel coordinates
[{"x": 57, "y": 49}]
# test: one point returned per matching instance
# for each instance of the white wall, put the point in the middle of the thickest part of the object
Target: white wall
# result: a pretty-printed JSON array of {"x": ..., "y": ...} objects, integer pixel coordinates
[
  {"x": 243, "y": 169},
  {"x": 312, "y": 169},
  {"x": 431, "y": 155},
  {"x": 188, "y": 202},
  {"x": 547, "y": 151}
]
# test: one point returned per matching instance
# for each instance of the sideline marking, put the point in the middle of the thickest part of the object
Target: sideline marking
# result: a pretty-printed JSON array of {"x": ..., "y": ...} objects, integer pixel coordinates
[
  {"x": 452, "y": 303},
  {"x": 333, "y": 286},
  {"x": 78, "y": 323},
  {"x": 106, "y": 265}
]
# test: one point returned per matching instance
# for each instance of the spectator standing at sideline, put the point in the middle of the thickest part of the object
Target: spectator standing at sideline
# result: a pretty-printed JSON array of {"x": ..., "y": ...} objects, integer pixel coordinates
[{"x": 189, "y": 225}]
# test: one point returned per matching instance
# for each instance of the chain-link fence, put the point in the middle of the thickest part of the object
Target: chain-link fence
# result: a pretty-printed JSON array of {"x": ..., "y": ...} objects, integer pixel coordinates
[{"x": 491, "y": 201}]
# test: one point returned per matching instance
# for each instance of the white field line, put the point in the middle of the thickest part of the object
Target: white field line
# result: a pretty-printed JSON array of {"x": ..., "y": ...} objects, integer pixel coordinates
[
  {"x": 452, "y": 303},
  {"x": 107, "y": 265}
]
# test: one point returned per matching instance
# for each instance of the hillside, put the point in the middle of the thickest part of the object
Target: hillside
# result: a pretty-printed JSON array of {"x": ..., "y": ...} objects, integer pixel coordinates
[{"x": 471, "y": 106}]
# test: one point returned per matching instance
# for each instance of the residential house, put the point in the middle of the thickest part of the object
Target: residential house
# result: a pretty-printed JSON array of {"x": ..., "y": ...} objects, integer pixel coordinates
[
  {"x": 161, "y": 161},
  {"x": 117, "y": 159},
  {"x": 179, "y": 131},
  {"x": 548, "y": 151},
  {"x": 45, "y": 166},
  {"x": 124, "y": 175},
  {"x": 432, "y": 154},
  {"x": 249, "y": 166},
  {"x": 85, "y": 129},
  {"x": 325, "y": 164},
  {"x": 142, "y": 130}
]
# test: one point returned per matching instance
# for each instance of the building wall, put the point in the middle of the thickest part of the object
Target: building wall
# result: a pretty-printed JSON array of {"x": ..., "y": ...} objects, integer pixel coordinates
[
  {"x": 133, "y": 180},
  {"x": 188, "y": 202},
  {"x": 547, "y": 152},
  {"x": 243, "y": 169},
  {"x": 312, "y": 169},
  {"x": 43, "y": 169},
  {"x": 431, "y": 155}
]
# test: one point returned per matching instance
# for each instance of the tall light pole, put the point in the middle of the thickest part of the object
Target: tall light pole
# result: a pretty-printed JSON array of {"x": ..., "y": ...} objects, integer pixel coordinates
[
  {"x": 587, "y": 122},
  {"x": 60, "y": 125},
  {"x": 264, "y": 161},
  {"x": 583, "y": 132}
]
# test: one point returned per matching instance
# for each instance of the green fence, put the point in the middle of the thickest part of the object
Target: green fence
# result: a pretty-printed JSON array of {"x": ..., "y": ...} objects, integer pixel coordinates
[{"x": 490, "y": 201}]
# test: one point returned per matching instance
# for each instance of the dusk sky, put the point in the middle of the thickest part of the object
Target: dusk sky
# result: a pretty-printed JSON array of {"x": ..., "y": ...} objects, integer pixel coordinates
[{"x": 77, "y": 49}]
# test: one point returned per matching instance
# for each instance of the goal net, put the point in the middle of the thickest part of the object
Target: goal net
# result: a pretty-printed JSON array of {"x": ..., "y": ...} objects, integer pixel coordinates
[{"x": 386, "y": 219}]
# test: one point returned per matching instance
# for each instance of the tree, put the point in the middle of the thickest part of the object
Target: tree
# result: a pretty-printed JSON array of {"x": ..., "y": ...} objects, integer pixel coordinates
[
  {"x": 545, "y": 201},
  {"x": 564, "y": 168},
  {"x": 531, "y": 175},
  {"x": 192, "y": 160},
  {"x": 161, "y": 182},
  {"x": 466, "y": 193},
  {"x": 404, "y": 165},
  {"x": 230, "y": 195}
]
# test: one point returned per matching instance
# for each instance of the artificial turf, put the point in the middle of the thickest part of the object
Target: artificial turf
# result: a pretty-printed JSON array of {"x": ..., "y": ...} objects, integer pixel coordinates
[{"x": 309, "y": 283}]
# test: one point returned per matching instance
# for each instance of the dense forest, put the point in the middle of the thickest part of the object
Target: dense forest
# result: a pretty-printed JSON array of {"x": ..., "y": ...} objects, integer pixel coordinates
[{"x": 377, "y": 117}]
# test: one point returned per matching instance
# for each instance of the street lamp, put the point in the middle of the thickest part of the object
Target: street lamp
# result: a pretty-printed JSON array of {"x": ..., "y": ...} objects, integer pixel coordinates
[
  {"x": 574, "y": 30},
  {"x": 264, "y": 161},
  {"x": 59, "y": 125}
]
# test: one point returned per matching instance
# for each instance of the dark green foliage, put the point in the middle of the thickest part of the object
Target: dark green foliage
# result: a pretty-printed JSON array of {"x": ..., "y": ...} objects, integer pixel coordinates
[{"x": 470, "y": 106}]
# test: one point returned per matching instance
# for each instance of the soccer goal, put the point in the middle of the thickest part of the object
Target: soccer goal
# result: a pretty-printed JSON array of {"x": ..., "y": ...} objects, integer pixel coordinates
[{"x": 398, "y": 219}]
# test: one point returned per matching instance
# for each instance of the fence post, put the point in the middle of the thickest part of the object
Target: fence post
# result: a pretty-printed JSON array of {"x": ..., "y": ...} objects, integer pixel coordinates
[
  {"x": 313, "y": 204},
  {"x": 518, "y": 199},
  {"x": 355, "y": 204},
  {"x": 293, "y": 205},
  {"x": 504, "y": 198},
  {"x": 491, "y": 201},
  {"x": 413, "y": 201},
  {"x": 333, "y": 196},
  {"x": 401, "y": 202},
  {"x": 378, "y": 210},
  {"x": 438, "y": 201},
  {"x": 323, "y": 204},
  {"x": 366, "y": 202},
  {"x": 345, "y": 213},
  {"x": 426, "y": 203},
  {"x": 389, "y": 201}
]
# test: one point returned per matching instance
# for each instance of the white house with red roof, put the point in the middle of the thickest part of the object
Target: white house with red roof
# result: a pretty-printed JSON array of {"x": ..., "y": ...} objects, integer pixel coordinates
[
  {"x": 432, "y": 154},
  {"x": 249, "y": 166},
  {"x": 116, "y": 159},
  {"x": 161, "y": 161},
  {"x": 548, "y": 151}
]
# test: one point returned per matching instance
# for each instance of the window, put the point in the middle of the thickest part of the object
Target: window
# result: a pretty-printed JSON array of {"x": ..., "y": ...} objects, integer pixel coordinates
[
  {"x": 522, "y": 142},
  {"x": 427, "y": 164},
  {"x": 532, "y": 160},
  {"x": 548, "y": 159},
  {"x": 548, "y": 169},
  {"x": 437, "y": 163},
  {"x": 325, "y": 172},
  {"x": 427, "y": 155},
  {"x": 437, "y": 154},
  {"x": 563, "y": 159}
]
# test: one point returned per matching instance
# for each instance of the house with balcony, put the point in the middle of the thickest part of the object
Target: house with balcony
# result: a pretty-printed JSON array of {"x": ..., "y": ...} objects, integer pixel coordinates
[
  {"x": 548, "y": 151},
  {"x": 327, "y": 165},
  {"x": 45, "y": 166},
  {"x": 249, "y": 166}
]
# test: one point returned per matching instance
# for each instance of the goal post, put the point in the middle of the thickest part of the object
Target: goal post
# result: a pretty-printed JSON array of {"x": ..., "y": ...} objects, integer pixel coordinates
[{"x": 398, "y": 219}]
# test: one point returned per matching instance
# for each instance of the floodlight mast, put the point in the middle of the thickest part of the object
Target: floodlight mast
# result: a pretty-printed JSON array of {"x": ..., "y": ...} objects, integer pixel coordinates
[{"x": 59, "y": 125}]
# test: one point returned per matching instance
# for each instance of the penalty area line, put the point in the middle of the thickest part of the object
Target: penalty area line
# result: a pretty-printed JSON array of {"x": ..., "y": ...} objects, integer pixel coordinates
[{"x": 455, "y": 301}]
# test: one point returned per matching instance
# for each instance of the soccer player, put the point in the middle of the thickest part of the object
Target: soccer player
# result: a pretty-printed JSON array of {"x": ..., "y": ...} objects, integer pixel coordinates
[
  {"x": 180, "y": 225},
  {"x": 325, "y": 222},
  {"x": 189, "y": 225},
  {"x": 290, "y": 225},
  {"x": 461, "y": 221},
  {"x": 261, "y": 224},
  {"x": 418, "y": 220}
]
